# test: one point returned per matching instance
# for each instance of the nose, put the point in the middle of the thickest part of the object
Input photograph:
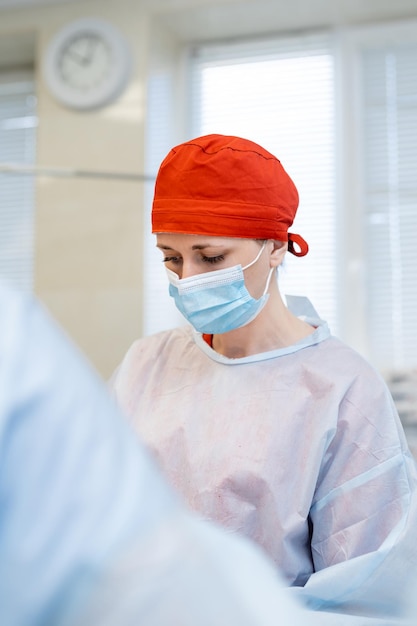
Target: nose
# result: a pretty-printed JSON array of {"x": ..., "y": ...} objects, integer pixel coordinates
[
  {"x": 186, "y": 272},
  {"x": 188, "y": 268}
]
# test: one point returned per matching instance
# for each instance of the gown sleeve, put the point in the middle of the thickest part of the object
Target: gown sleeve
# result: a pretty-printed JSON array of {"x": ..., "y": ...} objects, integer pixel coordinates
[{"x": 364, "y": 513}]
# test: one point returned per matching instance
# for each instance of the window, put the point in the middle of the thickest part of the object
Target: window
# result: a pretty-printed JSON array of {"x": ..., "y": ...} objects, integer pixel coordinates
[
  {"x": 159, "y": 308},
  {"x": 17, "y": 146},
  {"x": 280, "y": 93},
  {"x": 389, "y": 88},
  {"x": 340, "y": 111}
]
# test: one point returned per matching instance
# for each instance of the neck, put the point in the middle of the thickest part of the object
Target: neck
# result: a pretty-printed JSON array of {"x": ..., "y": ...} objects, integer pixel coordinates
[{"x": 275, "y": 327}]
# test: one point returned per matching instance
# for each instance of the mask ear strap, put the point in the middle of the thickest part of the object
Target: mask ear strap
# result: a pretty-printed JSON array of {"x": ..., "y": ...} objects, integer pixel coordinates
[
  {"x": 268, "y": 280},
  {"x": 302, "y": 245}
]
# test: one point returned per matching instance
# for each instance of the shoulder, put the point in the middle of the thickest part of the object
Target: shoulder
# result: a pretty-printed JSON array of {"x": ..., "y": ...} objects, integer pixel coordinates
[
  {"x": 364, "y": 396},
  {"x": 345, "y": 360},
  {"x": 337, "y": 368},
  {"x": 164, "y": 341},
  {"x": 146, "y": 351}
]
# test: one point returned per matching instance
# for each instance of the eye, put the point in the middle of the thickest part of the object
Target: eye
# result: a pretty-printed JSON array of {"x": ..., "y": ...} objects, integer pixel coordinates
[
  {"x": 171, "y": 259},
  {"x": 213, "y": 259}
]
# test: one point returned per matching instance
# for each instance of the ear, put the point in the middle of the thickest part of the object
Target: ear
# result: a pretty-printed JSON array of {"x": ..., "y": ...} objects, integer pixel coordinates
[{"x": 278, "y": 252}]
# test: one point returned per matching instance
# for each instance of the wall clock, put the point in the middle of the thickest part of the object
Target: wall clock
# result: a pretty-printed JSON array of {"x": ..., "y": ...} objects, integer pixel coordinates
[{"x": 87, "y": 64}]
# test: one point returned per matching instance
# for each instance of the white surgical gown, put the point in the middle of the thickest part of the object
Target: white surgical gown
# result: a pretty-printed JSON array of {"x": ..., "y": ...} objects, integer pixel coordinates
[
  {"x": 299, "y": 449},
  {"x": 89, "y": 533}
]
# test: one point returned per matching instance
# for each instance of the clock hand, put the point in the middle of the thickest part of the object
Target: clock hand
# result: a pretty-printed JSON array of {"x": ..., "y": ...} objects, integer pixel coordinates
[
  {"x": 85, "y": 56},
  {"x": 91, "y": 47},
  {"x": 76, "y": 56}
]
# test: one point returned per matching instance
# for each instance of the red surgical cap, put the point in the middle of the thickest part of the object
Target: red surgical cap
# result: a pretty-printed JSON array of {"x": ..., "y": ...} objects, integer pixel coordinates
[{"x": 225, "y": 186}]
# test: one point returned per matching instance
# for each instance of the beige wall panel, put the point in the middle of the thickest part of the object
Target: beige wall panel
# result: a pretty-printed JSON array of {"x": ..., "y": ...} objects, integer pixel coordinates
[
  {"x": 89, "y": 261},
  {"x": 89, "y": 231}
]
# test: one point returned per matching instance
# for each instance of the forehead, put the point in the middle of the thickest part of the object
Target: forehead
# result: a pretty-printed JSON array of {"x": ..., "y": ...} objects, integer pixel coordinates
[{"x": 176, "y": 241}]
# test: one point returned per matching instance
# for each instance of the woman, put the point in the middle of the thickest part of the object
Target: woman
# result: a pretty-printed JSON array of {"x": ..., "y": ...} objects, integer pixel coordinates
[{"x": 260, "y": 418}]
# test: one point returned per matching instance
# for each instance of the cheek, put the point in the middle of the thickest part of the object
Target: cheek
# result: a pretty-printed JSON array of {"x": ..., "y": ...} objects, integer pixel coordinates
[
  {"x": 255, "y": 281},
  {"x": 256, "y": 277}
]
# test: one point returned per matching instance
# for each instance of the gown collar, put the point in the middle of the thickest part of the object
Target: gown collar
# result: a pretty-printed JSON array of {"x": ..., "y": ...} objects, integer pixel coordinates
[{"x": 302, "y": 308}]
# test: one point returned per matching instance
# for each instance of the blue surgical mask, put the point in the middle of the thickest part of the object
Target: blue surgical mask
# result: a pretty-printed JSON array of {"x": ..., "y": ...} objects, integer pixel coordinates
[{"x": 217, "y": 302}]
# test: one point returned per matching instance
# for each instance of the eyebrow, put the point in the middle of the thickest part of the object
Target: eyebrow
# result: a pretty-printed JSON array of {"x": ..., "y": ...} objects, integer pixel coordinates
[{"x": 196, "y": 247}]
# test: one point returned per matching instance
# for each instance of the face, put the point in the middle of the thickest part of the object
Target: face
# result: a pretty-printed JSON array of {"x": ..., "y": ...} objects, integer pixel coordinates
[{"x": 188, "y": 255}]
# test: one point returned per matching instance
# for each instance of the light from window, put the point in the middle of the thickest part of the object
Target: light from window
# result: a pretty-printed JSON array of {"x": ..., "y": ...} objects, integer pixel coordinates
[
  {"x": 18, "y": 123},
  {"x": 281, "y": 95}
]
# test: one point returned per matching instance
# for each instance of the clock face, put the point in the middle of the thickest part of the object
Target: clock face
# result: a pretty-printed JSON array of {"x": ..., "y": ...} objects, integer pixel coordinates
[
  {"x": 87, "y": 65},
  {"x": 85, "y": 62}
]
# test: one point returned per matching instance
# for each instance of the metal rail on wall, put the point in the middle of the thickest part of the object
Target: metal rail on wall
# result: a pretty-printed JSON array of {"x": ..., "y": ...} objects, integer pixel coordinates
[{"x": 63, "y": 172}]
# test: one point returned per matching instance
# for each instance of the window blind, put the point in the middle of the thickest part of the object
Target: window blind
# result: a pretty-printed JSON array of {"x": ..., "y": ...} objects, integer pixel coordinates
[
  {"x": 279, "y": 92},
  {"x": 17, "y": 145},
  {"x": 389, "y": 87},
  {"x": 159, "y": 311}
]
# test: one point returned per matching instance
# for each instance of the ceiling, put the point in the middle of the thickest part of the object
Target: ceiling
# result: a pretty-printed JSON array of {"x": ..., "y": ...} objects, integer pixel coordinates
[
  {"x": 213, "y": 19},
  {"x": 192, "y": 20},
  {"x": 14, "y": 4}
]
